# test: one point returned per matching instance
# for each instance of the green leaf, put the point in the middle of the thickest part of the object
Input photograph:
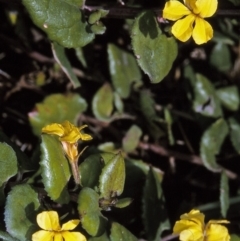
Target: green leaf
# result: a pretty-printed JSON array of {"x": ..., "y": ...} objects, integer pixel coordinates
[
  {"x": 112, "y": 178},
  {"x": 6, "y": 237},
  {"x": 88, "y": 207},
  {"x": 8, "y": 167},
  {"x": 211, "y": 143},
  {"x": 220, "y": 57},
  {"x": 124, "y": 202},
  {"x": 169, "y": 122},
  {"x": 55, "y": 169},
  {"x": 118, "y": 103},
  {"x": 229, "y": 97},
  {"x": 147, "y": 107},
  {"x": 21, "y": 211},
  {"x": 206, "y": 101},
  {"x": 155, "y": 52},
  {"x": 118, "y": 233},
  {"x": 234, "y": 133},
  {"x": 102, "y": 103},
  {"x": 154, "y": 212},
  {"x": 123, "y": 69},
  {"x": 235, "y": 237},
  {"x": 224, "y": 194},
  {"x": 8, "y": 163},
  {"x": 98, "y": 28},
  {"x": 62, "y": 60},
  {"x": 90, "y": 170},
  {"x": 23, "y": 161},
  {"x": 131, "y": 139},
  {"x": 62, "y": 20},
  {"x": 80, "y": 56},
  {"x": 56, "y": 108},
  {"x": 95, "y": 16},
  {"x": 103, "y": 237}
]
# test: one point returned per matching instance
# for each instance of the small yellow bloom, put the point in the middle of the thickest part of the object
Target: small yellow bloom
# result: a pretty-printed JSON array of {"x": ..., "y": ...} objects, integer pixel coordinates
[
  {"x": 193, "y": 24},
  {"x": 191, "y": 227},
  {"x": 67, "y": 132},
  {"x": 49, "y": 222}
]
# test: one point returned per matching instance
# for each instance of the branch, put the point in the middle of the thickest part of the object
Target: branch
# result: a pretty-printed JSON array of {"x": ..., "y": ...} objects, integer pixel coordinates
[
  {"x": 160, "y": 150},
  {"x": 123, "y": 12}
]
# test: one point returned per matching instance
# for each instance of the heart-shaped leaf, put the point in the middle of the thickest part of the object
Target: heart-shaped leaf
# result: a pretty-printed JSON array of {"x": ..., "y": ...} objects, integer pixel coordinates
[
  {"x": 62, "y": 20},
  {"x": 154, "y": 51}
]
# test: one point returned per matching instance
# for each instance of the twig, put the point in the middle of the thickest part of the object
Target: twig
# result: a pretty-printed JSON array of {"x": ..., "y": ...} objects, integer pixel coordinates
[{"x": 177, "y": 155}]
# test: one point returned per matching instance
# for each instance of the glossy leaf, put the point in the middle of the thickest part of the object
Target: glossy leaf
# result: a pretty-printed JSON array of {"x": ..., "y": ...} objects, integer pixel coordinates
[
  {"x": 224, "y": 194},
  {"x": 102, "y": 103},
  {"x": 6, "y": 237},
  {"x": 235, "y": 2},
  {"x": 119, "y": 232},
  {"x": 103, "y": 237},
  {"x": 8, "y": 163},
  {"x": 154, "y": 212},
  {"x": 23, "y": 161},
  {"x": 220, "y": 57},
  {"x": 55, "y": 169},
  {"x": 235, "y": 133},
  {"x": 56, "y": 108},
  {"x": 91, "y": 218},
  {"x": 62, "y": 20},
  {"x": 206, "y": 101},
  {"x": 118, "y": 103},
  {"x": 62, "y": 60},
  {"x": 112, "y": 178},
  {"x": 131, "y": 139},
  {"x": 211, "y": 143},
  {"x": 154, "y": 51},
  {"x": 123, "y": 69},
  {"x": 21, "y": 211},
  {"x": 229, "y": 97},
  {"x": 90, "y": 170}
]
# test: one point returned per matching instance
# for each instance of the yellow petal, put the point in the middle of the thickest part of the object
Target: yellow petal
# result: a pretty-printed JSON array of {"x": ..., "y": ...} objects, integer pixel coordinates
[
  {"x": 183, "y": 28},
  {"x": 43, "y": 235},
  {"x": 174, "y": 10},
  {"x": 218, "y": 221},
  {"x": 58, "y": 236},
  {"x": 48, "y": 220},
  {"x": 73, "y": 236},
  {"x": 68, "y": 126},
  {"x": 217, "y": 232},
  {"x": 191, "y": 4},
  {"x": 72, "y": 136},
  {"x": 84, "y": 137},
  {"x": 70, "y": 225},
  {"x": 206, "y": 8},
  {"x": 191, "y": 235},
  {"x": 195, "y": 216},
  {"x": 55, "y": 129},
  {"x": 202, "y": 31},
  {"x": 184, "y": 225}
]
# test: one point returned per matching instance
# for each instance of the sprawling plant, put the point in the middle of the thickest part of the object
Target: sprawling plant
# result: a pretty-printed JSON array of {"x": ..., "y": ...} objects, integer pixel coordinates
[{"x": 102, "y": 104}]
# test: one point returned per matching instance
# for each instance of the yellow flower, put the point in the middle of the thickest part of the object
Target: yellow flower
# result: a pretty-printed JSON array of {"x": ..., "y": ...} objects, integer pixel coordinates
[
  {"x": 49, "y": 222},
  {"x": 67, "y": 132},
  {"x": 193, "y": 24},
  {"x": 191, "y": 227}
]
